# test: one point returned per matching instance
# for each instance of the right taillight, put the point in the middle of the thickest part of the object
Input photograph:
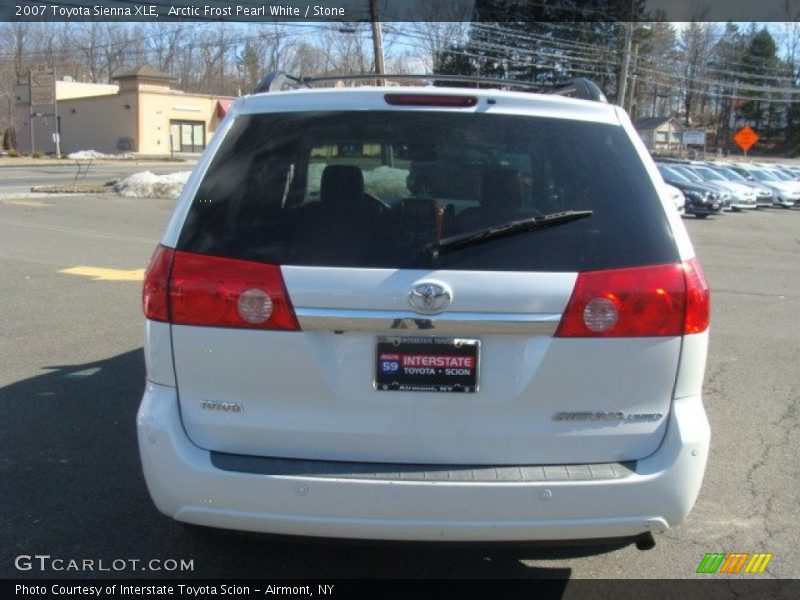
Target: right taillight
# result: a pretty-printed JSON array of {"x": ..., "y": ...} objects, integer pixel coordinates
[
  {"x": 653, "y": 301},
  {"x": 194, "y": 289}
]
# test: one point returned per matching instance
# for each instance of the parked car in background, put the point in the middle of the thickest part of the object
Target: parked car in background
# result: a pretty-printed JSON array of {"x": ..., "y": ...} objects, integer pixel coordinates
[
  {"x": 678, "y": 198},
  {"x": 785, "y": 193},
  {"x": 742, "y": 196},
  {"x": 783, "y": 175},
  {"x": 700, "y": 201},
  {"x": 787, "y": 173},
  {"x": 764, "y": 195},
  {"x": 794, "y": 170},
  {"x": 724, "y": 195}
]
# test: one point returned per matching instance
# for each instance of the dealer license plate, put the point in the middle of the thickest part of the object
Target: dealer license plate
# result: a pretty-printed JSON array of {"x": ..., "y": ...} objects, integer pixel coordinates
[{"x": 423, "y": 364}]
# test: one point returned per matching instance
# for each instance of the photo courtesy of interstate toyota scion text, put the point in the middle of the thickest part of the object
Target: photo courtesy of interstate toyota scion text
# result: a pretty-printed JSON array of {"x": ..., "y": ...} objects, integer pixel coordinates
[{"x": 430, "y": 313}]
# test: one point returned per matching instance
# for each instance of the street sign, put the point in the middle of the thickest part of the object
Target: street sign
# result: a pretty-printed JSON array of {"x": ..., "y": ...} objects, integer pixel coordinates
[
  {"x": 745, "y": 138},
  {"x": 43, "y": 86},
  {"x": 694, "y": 138}
]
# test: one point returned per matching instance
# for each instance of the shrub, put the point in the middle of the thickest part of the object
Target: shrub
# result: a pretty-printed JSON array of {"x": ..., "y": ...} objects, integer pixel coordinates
[{"x": 9, "y": 139}]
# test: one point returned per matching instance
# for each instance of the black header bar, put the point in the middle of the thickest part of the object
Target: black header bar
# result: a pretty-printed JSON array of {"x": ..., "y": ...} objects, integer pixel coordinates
[{"x": 260, "y": 11}]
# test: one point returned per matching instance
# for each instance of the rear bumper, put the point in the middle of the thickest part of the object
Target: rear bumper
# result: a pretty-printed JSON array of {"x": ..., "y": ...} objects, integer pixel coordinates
[
  {"x": 744, "y": 204},
  {"x": 185, "y": 485}
]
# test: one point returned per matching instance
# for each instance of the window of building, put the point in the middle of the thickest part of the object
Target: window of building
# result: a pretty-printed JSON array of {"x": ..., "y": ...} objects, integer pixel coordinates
[{"x": 187, "y": 136}]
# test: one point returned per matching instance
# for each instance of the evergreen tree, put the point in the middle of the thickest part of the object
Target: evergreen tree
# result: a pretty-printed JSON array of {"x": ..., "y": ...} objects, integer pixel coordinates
[
  {"x": 544, "y": 42},
  {"x": 249, "y": 66},
  {"x": 760, "y": 66}
]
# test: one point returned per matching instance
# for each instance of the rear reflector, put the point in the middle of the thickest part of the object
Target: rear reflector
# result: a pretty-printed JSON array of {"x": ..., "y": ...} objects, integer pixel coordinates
[
  {"x": 661, "y": 300},
  {"x": 430, "y": 100},
  {"x": 193, "y": 289}
]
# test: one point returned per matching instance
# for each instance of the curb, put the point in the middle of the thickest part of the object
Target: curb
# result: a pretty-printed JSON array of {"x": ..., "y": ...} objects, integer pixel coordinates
[{"x": 70, "y": 189}]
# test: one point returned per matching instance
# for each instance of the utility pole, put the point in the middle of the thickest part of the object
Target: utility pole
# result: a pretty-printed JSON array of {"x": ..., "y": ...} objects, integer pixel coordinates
[
  {"x": 622, "y": 88},
  {"x": 626, "y": 59},
  {"x": 377, "y": 39},
  {"x": 30, "y": 100},
  {"x": 633, "y": 80},
  {"x": 56, "y": 119}
]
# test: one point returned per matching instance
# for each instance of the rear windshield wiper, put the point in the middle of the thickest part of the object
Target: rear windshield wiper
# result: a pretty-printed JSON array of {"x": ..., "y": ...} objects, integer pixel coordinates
[{"x": 465, "y": 240}]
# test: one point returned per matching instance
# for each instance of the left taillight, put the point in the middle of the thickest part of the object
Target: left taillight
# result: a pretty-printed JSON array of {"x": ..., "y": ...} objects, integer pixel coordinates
[{"x": 193, "y": 289}]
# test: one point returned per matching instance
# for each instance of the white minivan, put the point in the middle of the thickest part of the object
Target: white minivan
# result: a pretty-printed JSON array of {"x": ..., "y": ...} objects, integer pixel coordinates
[{"x": 514, "y": 351}]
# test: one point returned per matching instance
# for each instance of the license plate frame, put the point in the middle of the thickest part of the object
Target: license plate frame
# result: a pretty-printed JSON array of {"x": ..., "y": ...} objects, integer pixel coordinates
[{"x": 439, "y": 364}]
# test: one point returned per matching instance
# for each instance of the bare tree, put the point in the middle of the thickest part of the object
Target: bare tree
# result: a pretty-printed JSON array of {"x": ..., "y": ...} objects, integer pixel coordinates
[
  {"x": 441, "y": 24},
  {"x": 13, "y": 37},
  {"x": 353, "y": 52},
  {"x": 162, "y": 42},
  {"x": 117, "y": 47},
  {"x": 307, "y": 59},
  {"x": 90, "y": 46},
  {"x": 658, "y": 53},
  {"x": 696, "y": 44}
]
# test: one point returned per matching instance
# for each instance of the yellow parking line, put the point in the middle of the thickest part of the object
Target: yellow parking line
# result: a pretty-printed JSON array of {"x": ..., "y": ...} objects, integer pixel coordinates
[
  {"x": 100, "y": 274},
  {"x": 31, "y": 203}
]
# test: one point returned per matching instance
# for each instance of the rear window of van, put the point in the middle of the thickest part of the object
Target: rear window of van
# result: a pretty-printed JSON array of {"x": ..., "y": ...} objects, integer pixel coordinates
[{"x": 373, "y": 189}]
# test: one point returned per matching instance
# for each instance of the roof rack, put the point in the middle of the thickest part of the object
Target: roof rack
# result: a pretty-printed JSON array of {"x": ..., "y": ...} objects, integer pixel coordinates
[{"x": 579, "y": 87}]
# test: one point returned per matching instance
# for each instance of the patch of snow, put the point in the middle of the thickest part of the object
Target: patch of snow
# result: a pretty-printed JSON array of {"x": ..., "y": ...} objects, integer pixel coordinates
[
  {"x": 314, "y": 178},
  {"x": 387, "y": 183},
  {"x": 95, "y": 155},
  {"x": 150, "y": 185}
]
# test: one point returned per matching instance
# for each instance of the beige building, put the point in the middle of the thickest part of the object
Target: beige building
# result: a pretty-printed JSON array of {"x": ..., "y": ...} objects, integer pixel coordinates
[
  {"x": 660, "y": 134},
  {"x": 141, "y": 114}
]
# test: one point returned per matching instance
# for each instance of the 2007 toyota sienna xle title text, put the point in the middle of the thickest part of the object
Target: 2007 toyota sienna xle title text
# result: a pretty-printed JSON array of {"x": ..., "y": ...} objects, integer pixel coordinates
[{"x": 330, "y": 353}]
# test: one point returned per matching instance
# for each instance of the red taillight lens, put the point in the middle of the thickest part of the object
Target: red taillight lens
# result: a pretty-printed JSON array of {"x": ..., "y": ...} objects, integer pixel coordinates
[
  {"x": 661, "y": 300},
  {"x": 191, "y": 289},
  {"x": 698, "y": 298},
  {"x": 430, "y": 100},
  {"x": 155, "y": 292},
  {"x": 224, "y": 292}
]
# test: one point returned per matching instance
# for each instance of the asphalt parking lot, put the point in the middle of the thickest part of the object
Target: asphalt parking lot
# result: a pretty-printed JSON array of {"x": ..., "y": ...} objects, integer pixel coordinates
[{"x": 73, "y": 375}]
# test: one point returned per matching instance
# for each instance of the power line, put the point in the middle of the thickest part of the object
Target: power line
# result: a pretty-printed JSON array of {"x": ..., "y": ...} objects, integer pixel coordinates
[{"x": 742, "y": 85}]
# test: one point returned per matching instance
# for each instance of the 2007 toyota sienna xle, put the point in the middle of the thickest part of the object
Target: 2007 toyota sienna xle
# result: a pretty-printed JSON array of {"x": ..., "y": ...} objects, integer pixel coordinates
[{"x": 330, "y": 353}]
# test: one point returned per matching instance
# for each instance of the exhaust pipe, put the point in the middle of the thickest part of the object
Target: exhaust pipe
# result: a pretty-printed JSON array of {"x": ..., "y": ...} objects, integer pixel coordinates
[{"x": 645, "y": 541}]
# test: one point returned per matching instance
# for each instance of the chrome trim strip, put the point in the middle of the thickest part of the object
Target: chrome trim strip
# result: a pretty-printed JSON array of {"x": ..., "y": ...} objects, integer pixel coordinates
[{"x": 458, "y": 323}]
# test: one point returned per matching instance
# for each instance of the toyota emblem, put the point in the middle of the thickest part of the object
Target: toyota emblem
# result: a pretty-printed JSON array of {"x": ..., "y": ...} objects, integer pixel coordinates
[{"x": 429, "y": 297}]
